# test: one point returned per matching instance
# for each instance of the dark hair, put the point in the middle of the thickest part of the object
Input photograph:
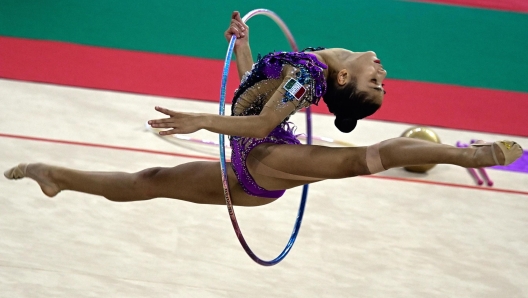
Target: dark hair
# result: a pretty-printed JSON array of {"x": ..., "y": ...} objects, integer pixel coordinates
[{"x": 347, "y": 103}]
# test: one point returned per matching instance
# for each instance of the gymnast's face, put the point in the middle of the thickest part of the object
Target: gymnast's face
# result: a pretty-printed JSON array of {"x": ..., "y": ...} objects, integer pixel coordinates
[{"x": 368, "y": 72}]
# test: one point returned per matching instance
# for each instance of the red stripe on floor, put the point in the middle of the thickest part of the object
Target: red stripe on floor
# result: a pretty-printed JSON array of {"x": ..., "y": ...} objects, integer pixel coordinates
[
  {"x": 107, "y": 147},
  {"x": 507, "y": 5},
  {"x": 422, "y": 103},
  {"x": 216, "y": 159},
  {"x": 519, "y": 192}
]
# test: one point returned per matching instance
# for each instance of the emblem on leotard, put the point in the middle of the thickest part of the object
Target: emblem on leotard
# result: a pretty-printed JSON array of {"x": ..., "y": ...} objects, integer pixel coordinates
[{"x": 295, "y": 88}]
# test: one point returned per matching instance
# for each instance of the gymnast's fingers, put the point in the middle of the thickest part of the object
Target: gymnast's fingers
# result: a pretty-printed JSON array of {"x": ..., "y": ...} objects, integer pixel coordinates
[
  {"x": 162, "y": 124},
  {"x": 168, "y": 132},
  {"x": 235, "y": 14},
  {"x": 240, "y": 27},
  {"x": 166, "y": 111},
  {"x": 233, "y": 30},
  {"x": 158, "y": 121}
]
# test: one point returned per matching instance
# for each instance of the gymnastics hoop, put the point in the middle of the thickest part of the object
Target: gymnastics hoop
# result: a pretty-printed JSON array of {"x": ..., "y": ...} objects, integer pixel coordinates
[{"x": 225, "y": 183}]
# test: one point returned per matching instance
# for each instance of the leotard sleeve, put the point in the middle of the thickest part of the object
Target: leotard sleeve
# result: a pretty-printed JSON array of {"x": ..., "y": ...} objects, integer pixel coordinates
[
  {"x": 296, "y": 88},
  {"x": 291, "y": 95}
]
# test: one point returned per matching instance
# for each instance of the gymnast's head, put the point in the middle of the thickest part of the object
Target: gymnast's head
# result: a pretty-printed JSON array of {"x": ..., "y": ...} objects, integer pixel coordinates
[{"x": 354, "y": 87}]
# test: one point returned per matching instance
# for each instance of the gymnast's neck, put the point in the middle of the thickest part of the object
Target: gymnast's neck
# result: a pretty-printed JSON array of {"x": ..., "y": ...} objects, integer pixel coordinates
[{"x": 334, "y": 58}]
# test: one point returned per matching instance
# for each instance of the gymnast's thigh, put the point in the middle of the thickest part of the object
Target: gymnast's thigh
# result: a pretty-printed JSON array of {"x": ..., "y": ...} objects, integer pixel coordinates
[
  {"x": 238, "y": 196},
  {"x": 276, "y": 166},
  {"x": 200, "y": 182}
]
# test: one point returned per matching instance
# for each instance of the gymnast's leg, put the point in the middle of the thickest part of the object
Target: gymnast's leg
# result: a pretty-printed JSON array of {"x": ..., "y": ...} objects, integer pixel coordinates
[
  {"x": 196, "y": 182},
  {"x": 285, "y": 166}
]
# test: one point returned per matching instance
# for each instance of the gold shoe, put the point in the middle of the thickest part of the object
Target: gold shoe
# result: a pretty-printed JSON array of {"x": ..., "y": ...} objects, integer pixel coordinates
[
  {"x": 17, "y": 172},
  {"x": 511, "y": 150}
]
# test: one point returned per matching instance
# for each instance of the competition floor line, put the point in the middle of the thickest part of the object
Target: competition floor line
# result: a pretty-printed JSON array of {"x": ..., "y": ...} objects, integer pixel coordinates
[
  {"x": 64, "y": 142},
  {"x": 106, "y": 146}
]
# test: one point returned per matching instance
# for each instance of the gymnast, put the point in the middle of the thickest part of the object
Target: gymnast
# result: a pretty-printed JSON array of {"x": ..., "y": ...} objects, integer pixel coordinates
[{"x": 266, "y": 156}]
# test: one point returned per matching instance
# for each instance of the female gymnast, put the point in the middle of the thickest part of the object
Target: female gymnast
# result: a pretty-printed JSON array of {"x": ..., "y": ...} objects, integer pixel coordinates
[{"x": 266, "y": 157}]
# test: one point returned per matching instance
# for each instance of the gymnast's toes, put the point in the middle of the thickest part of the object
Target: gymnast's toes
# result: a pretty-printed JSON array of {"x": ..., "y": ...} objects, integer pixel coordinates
[{"x": 17, "y": 172}]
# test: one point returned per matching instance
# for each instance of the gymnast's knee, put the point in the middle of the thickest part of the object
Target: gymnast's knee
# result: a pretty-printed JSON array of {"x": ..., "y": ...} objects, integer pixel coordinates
[{"x": 145, "y": 182}]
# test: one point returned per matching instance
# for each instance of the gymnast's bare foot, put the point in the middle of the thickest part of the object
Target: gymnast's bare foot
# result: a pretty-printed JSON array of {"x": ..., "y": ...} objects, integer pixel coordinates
[{"x": 41, "y": 173}]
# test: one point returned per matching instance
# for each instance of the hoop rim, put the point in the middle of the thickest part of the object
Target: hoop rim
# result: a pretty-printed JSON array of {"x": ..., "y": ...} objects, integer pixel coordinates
[{"x": 221, "y": 137}]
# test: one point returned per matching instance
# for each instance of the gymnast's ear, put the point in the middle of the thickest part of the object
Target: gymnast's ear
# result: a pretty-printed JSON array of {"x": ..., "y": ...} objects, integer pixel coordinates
[{"x": 342, "y": 77}]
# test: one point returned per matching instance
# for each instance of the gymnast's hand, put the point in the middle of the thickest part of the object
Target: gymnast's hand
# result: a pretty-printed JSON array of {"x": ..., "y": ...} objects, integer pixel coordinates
[
  {"x": 180, "y": 123},
  {"x": 238, "y": 29}
]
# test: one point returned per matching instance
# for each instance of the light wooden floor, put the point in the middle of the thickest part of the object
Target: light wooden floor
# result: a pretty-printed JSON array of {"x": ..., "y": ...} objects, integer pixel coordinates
[{"x": 361, "y": 237}]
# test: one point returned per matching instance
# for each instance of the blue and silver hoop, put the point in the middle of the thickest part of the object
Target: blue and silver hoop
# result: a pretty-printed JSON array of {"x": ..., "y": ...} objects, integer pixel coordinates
[{"x": 225, "y": 184}]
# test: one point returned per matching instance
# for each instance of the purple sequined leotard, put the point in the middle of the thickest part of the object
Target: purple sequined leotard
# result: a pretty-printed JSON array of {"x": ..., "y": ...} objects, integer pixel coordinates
[{"x": 271, "y": 73}]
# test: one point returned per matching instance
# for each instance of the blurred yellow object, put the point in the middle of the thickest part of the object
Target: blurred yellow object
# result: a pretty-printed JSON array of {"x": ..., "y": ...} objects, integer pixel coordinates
[{"x": 422, "y": 133}]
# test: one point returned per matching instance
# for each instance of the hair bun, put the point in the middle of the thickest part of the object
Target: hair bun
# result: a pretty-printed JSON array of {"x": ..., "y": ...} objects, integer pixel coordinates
[{"x": 345, "y": 124}]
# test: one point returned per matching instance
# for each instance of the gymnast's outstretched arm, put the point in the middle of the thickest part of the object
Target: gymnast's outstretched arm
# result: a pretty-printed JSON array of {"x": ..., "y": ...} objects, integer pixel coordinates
[{"x": 256, "y": 126}]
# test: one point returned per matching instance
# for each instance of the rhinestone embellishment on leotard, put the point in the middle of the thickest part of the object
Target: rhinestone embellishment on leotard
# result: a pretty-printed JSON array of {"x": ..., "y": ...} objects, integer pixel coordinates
[{"x": 307, "y": 76}]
